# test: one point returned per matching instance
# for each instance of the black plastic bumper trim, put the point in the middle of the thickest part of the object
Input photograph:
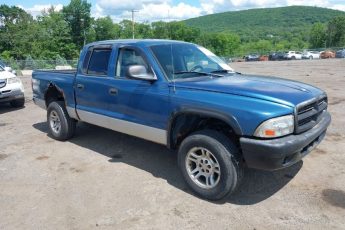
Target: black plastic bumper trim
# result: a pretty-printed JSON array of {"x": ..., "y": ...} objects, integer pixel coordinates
[{"x": 283, "y": 152}]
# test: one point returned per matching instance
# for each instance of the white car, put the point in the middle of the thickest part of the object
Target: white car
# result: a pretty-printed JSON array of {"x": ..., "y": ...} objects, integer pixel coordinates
[
  {"x": 7, "y": 68},
  {"x": 11, "y": 89},
  {"x": 293, "y": 55},
  {"x": 311, "y": 55}
]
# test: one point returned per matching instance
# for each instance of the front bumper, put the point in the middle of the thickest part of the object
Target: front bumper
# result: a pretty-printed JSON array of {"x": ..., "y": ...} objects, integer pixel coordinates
[
  {"x": 283, "y": 152},
  {"x": 11, "y": 92}
]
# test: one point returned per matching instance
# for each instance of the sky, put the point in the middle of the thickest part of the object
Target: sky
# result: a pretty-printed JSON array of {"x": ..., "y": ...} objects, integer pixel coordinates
[{"x": 166, "y": 10}]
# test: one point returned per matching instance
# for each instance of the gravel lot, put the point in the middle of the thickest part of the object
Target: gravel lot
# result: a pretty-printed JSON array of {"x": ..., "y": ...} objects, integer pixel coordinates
[{"x": 107, "y": 180}]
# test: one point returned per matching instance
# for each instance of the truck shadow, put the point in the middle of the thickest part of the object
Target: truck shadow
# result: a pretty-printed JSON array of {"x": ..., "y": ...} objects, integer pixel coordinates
[
  {"x": 6, "y": 108},
  {"x": 258, "y": 185},
  {"x": 162, "y": 163}
]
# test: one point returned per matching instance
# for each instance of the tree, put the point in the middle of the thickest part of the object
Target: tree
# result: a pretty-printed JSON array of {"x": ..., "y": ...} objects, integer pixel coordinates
[
  {"x": 317, "y": 35},
  {"x": 160, "y": 30},
  {"x": 223, "y": 44},
  {"x": 282, "y": 45},
  {"x": 105, "y": 29},
  {"x": 54, "y": 37},
  {"x": 143, "y": 30},
  {"x": 77, "y": 14},
  {"x": 15, "y": 31},
  {"x": 336, "y": 32},
  {"x": 180, "y": 31},
  {"x": 125, "y": 29}
]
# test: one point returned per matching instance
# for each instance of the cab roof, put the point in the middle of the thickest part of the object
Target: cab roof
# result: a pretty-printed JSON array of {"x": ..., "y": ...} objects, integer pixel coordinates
[{"x": 140, "y": 42}]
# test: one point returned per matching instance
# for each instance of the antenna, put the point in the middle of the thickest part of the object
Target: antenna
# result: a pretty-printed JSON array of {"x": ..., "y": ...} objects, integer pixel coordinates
[
  {"x": 133, "y": 11},
  {"x": 168, "y": 25}
]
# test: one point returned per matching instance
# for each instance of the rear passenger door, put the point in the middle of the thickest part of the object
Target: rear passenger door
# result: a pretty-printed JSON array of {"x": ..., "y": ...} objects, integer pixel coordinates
[{"x": 92, "y": 89}]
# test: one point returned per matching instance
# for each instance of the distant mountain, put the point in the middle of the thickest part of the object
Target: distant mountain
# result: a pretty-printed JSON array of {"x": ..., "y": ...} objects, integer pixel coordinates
[{"x": 254, "y": 24}]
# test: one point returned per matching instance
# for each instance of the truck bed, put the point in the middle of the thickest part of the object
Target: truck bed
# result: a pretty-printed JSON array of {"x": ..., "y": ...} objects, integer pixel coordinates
[
  {"x": 71, "y": 72},
  {"x": 62, "y": 79}
]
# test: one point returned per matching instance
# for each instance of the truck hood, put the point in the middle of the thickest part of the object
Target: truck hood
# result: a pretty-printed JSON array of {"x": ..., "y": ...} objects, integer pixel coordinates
[{"x": 273, "y": 89}]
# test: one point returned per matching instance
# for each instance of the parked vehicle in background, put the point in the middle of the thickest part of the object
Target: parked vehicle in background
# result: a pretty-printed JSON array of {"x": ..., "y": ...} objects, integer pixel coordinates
[
  {"x": 11, "y": 89},
  {"x": 293, "y": 55},
  {"x": 263, "y": 58},
  {"x": 252, "y": 57},
  {"x": 276, "y": 56},
  {"x": 327, "y": 54},
  {"x": 7, "y": 67},
  {"x": 311, "y": 55},
  {"x": 340, "y": 54}
]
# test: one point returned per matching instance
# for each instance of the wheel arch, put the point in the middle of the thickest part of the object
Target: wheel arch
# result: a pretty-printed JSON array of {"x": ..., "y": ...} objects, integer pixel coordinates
[
  {"x": 53, "y": 93},
  {"x": 194, "y": 119}
]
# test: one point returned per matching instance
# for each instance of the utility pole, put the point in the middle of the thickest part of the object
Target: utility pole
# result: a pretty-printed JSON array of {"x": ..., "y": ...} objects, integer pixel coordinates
[
  {"x": 168, "y": 24},
  {"x": 83, "y": 24},
  {"x": 133, "y": 11}
]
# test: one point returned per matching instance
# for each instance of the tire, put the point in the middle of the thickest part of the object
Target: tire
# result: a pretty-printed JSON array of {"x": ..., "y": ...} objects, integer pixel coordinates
[
  {"x": 18, "y": 103},
  {"x": 311, "y": 57},
  {"x": 223, "y": 151},
  {"x": 61, "y": 126}
]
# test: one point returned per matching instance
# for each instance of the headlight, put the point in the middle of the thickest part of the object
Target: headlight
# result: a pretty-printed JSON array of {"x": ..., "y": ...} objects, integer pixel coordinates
[
  {"x": 13, "y": 80},
  {"x": 276, "y": 127}
]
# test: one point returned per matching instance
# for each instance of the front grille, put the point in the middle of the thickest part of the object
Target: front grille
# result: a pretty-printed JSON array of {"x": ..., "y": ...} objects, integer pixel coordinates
[
  {"x": 308, "y": 114},
  {"x": 2, "y": 83}
]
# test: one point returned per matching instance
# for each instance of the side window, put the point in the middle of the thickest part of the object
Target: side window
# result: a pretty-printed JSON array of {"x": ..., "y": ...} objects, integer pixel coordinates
[
  {"x": 98, "y": 64},
  {"x": 126, "y": 58}
]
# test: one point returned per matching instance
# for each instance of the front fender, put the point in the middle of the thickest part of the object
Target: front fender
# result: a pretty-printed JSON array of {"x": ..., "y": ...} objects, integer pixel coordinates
[{"x": 203, "y": 112}]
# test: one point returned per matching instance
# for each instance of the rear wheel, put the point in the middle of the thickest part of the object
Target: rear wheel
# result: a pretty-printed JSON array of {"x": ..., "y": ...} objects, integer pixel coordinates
[
  {"x": 18, "y": 103},
  {"x": 61, "y": 126},
  {"x": 208, "y": 164}
]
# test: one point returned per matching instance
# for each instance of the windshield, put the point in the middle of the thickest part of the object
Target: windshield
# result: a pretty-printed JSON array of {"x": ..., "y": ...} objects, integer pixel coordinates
[{"x": 187, "y": 60}]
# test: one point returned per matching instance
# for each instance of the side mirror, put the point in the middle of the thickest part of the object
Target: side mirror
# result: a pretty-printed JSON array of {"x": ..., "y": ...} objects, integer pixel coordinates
[{"x": 140, "y": 72}]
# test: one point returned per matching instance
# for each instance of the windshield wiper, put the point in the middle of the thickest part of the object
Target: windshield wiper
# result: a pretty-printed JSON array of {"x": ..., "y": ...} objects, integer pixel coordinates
[
  {"x": 220, "y": 71},
  {"x": 215, "y": 73},
  {"x": 225, "y": 71},
  {"x": 210, "y": 74},
  {"x": 192, "y": 72},
  {"x": 196, "y": 72}
]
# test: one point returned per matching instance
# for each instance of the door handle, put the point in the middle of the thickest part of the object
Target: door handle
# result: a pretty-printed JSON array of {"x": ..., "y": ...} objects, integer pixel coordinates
[
  {"x": 80, "y": 86},
  {"x": 113, "y": 91}
]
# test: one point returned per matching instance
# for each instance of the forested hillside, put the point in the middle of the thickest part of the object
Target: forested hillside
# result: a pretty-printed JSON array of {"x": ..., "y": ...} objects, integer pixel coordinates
[{"x": 256, "y": 24}]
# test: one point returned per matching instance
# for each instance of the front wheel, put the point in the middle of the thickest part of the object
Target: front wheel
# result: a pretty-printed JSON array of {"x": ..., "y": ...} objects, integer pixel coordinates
[
  {"x": 208, "y": 164},
  {"x": 61, "y": 126}
]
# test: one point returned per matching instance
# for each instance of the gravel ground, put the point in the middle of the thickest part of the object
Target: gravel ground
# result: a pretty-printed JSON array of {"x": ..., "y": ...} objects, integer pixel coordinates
[{"x": 107, "y": 180}]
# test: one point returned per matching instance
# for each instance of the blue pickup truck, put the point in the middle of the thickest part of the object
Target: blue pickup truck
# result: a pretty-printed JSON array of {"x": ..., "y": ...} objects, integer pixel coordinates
[{"x": 183, "y": 96}]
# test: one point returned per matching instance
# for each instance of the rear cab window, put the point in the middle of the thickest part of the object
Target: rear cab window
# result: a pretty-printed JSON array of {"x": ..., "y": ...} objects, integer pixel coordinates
[{"x": 96, "y": 61}]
